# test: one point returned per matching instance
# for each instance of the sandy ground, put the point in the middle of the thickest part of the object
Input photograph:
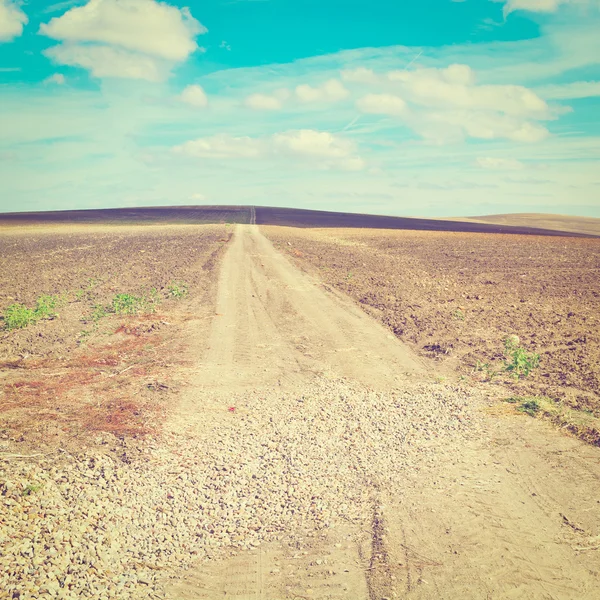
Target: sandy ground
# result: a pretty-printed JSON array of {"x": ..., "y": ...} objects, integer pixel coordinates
[{"x": 508, "y": 509}]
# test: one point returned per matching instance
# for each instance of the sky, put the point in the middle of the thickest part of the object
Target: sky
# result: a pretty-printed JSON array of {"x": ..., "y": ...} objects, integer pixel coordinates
[{"x": 428, "y": 108}]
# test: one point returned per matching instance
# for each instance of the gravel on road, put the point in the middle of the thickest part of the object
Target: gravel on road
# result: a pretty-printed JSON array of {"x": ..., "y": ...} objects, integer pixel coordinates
[{"x": 120, "y": 519}]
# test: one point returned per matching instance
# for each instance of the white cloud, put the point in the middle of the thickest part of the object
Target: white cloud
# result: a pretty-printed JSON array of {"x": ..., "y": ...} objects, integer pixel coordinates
[
  {"x": 57, "y": 78},
  {"x": 12, "y": 19},
  {"x": 505, "y": 164},
  {"x": 455, "y": 87},
  {"x": 330, "y": 91},
  {"x": 106, "y": 61},
  {"x": 143, "y": 38},
  {"x": 321, "y": 147},
  {"x": 309, "y": 142},
  {"x": 263, "y": 102},
  {"x": 382, "y": 104},
  {"x": 532, "y": 5},
  {"x": 195, "y": 96},
  {"x": 448, "y": 104},
  {"x": 576, "y": 89},
  {"x": 197, "y": 197},
  {"x": 359, "y": 75},
  {"x": 223, "y": 146},
  {"x": 542, "y": 6},
  {"x": 479, "y": 125}
]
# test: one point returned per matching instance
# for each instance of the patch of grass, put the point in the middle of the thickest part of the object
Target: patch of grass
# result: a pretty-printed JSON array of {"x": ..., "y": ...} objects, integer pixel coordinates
[
  {"x": 580, "y": 423},
  {"x": 530, "y": 405},
  {"x": 18, "y": 316},
  {"x": 127, "y": 304},
  {"x": 177, "y": 289},
  {"x": 459, "y": 315}
]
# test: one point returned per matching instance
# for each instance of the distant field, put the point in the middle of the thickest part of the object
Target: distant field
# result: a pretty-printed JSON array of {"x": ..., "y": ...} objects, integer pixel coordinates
[
  {"x": 290, "y": 217},
  {"x": 586, "y": 225},
  {"x": 194, "y": 215}
]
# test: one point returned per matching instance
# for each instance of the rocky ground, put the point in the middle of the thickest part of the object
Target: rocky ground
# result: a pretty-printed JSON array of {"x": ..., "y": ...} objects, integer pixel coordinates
[{"x": 118, "y": 521}]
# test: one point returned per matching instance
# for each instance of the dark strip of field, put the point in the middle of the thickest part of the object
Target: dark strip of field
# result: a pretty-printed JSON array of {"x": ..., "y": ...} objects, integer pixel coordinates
[{"x": 288, "y": 217}]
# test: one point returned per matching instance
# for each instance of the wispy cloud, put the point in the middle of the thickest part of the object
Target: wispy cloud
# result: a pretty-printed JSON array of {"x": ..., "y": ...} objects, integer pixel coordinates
[{"x": 328, "y": 150}]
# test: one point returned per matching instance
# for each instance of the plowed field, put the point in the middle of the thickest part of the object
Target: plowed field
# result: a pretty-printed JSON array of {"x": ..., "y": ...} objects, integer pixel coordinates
[
  {"x": 456, "y": 296},
  {"x": 117, "y": 294}
]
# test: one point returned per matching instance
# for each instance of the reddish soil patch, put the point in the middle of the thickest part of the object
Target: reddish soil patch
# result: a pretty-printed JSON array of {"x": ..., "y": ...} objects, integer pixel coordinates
[
  {"x": 456, "y": 296},
  {"x": 88, "y": 369}
]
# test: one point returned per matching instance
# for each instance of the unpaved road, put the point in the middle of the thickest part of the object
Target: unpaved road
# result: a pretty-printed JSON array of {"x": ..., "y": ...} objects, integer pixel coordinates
[{"x": 347, "y": 472}]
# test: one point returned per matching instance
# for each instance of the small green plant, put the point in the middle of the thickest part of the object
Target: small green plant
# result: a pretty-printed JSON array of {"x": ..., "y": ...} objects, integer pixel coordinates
[
  {"x": 177, "y": 289},
  {"x": 31, "y": 488},
  {"x": 459, "y": 315},
  {"x": 518, "y": 361},
  {"x": 45, "y": 305},
  {"x": 127, "y": 304},
  {"x": 17, "y": 316},
  {"x": 98, "y": 312},
  {"x": 84, "y": 335},
  {"x": 487, "y": 369}
]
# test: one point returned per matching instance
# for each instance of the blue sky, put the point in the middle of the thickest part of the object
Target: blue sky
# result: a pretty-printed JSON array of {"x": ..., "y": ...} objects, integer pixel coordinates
[{"x": 428, "y": 108}]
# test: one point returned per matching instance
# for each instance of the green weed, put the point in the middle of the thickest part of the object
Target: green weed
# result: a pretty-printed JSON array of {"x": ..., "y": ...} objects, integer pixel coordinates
[
  {"x": 177, "y": 289},
  {"x": 529, "y": 405},
  {"x": 18, "y": 316},
  {"x": 45, "y": 305},
  {"x": 518, "y": 361},
  {"x": 459, "y": 315},
  {"x": 98, "y": 312},
  {"x": 32, "y": 488},
  {"x": 487, "y": 369},
  {"x": 128, "y": 304}
]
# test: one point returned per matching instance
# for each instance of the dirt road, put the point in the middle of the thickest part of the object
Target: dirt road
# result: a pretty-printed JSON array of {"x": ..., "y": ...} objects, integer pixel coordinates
[{"x": 344, "y": 471}]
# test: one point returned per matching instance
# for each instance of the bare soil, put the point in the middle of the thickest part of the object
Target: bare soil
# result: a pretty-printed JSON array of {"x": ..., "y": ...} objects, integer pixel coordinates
[
  {"x": 87, "y": 369},
  {"x": 310, "y": 452},
  {"x": 456, "y": 296}
]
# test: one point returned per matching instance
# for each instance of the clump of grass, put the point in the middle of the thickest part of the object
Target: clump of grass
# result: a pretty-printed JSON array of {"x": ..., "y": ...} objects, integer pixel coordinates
[
  {"x": 45, "y": 305},
  {"x": 177, "y": 289},
  {"x": 18, "y": 316},
  {"x": 128, "y": 304},
  {"x": 529, "y": 405}
]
